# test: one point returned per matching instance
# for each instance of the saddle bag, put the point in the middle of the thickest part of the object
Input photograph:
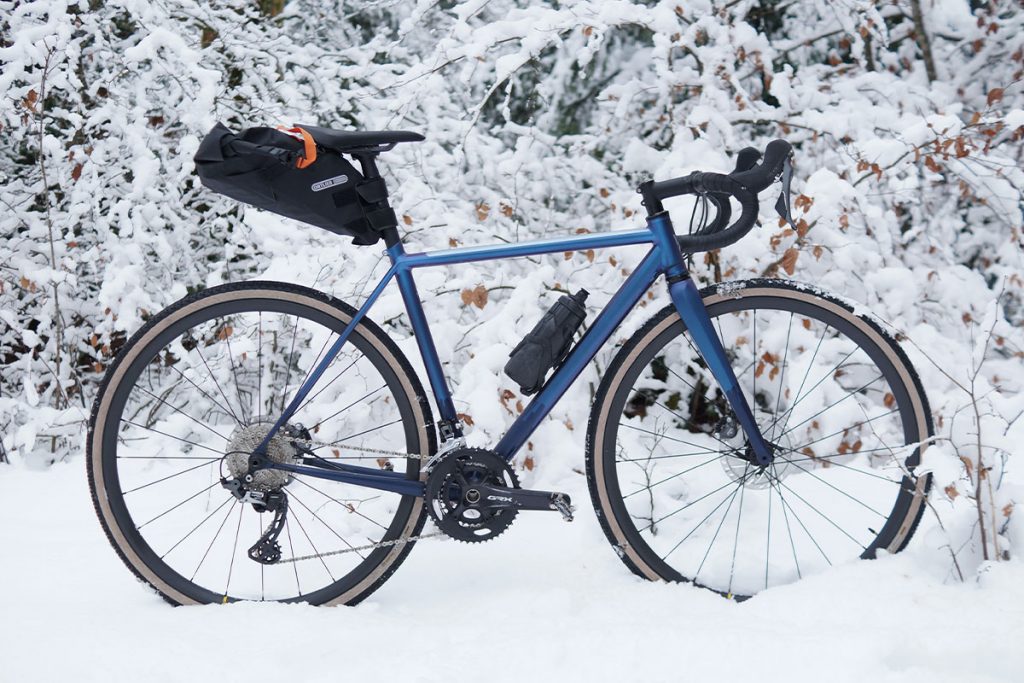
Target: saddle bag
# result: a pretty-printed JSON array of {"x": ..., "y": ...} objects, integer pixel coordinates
[{"x": 272, "y": 170}]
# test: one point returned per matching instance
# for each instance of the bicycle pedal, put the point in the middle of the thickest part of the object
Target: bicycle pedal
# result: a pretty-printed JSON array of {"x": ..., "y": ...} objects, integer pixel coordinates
[{"x": 563, "y": 504}]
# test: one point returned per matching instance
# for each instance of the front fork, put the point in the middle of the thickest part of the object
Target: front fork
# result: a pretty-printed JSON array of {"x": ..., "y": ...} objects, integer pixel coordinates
[{"x": 691, "y": 308}]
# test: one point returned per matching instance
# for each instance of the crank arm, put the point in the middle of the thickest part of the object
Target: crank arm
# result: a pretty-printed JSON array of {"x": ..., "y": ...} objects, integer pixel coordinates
[{"x": 503, "y": 497}]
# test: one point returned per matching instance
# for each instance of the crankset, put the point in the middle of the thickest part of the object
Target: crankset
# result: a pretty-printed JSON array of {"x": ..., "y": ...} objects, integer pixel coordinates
[{"x": 473, "y": 495}]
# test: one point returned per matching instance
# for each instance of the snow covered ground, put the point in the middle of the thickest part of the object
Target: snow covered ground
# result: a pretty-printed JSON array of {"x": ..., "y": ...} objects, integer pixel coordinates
[{"x": 546, "y": 600}]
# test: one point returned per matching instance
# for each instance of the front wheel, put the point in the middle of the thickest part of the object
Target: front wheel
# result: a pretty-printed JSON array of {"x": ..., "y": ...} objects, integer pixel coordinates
[
  {"x": 195, "y": 390},
  {"x": 669, "y": 469}
]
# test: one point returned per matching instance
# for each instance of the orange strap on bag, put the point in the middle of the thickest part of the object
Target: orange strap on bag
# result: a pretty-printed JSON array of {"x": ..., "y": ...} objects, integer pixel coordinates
[{"x": 309, "y": 151}]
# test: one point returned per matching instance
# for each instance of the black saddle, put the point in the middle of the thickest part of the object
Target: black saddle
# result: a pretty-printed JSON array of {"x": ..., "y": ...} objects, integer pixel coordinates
[{"x": 360, "y": 140}]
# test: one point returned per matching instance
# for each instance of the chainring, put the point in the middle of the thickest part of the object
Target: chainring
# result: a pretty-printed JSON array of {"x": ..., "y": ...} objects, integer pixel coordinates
[{"x": 450, "y": 494}]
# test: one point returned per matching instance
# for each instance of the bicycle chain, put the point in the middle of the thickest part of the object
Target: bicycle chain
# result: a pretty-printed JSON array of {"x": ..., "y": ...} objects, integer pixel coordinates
[
  {"x": 354, "y": 549},
  {"x": 378, "y": 451}
]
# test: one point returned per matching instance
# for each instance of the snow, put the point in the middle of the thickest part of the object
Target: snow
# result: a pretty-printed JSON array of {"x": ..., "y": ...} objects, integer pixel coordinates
[
  {"x": 541, "y": 118},
  {"x": 547, "y": 599}
]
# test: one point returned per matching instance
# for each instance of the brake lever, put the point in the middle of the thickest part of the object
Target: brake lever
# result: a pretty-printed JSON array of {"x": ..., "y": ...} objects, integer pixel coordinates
[
  {"x": 746, "y": 158},
  {"x": 783, "y": 205}
]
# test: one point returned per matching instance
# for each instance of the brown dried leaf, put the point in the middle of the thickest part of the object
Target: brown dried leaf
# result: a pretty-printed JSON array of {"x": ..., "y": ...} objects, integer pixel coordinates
[
  {"x": 76, "y": 172},
  {"x": 407, "y": 219},
  {"x": 789, "y": 260},
  {"x": 476, "y": 296},
  {"x": 225, "y": 332},
  {"x": 465, "y": 418},
  {"x": 482, "y": 211},
  {"x": 951, "y": 491},
  {"x": 968, "y": 465},
  {"x": 506, "y": 209},
  {"x": 528, "y": 462},
  {"x": 994, "y": 95}
]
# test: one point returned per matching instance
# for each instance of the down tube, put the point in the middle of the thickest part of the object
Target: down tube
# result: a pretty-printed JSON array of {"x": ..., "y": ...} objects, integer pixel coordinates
[{"x": 611, "y": 317}]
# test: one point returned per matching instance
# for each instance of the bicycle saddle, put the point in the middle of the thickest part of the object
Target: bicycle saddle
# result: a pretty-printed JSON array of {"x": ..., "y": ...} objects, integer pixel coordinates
[{"x": 351, "y": 140}]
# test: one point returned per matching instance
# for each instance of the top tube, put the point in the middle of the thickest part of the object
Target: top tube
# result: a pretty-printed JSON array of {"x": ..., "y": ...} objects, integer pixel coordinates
[{"x": 492, "y": 252}]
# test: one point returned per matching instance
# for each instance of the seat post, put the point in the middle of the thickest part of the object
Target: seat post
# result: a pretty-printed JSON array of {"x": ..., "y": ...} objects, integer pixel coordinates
[{"x": 368, "y": 164}]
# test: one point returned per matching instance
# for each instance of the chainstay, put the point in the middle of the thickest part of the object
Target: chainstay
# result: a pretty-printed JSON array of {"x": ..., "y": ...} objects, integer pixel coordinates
[{"x": 369, "y": 546}]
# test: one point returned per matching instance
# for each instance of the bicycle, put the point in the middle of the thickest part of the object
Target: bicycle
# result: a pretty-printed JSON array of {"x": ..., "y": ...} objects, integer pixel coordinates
[{"x": 707, "y": 461}]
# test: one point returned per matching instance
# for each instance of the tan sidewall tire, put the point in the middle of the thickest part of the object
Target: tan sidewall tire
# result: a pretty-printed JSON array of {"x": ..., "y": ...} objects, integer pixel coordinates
[
  {"x": 711, "y": 296},
  {"x": 366, "y": 330}
]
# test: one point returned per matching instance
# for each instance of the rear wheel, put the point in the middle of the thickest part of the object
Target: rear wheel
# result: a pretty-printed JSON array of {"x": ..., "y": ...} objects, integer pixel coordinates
[
  {"x": 670, "y": 472},
  {"x": 196, "y": 389}
]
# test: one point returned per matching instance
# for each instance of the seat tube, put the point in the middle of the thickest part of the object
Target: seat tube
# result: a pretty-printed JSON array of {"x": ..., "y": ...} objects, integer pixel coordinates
[
  {"x": 424, "y": 340},
  {"x": 690, "y": 305}
]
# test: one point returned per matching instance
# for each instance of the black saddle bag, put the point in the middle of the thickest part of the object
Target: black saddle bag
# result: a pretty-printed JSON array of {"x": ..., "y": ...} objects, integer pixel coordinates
[{"x": 261, "y": 167}]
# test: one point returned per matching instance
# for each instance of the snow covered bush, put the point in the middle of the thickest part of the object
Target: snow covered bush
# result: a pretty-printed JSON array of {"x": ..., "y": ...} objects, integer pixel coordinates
[{"x": 907, "y": 117}]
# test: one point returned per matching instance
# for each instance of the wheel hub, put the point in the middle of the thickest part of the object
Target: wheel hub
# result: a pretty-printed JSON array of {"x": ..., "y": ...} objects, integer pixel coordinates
[
  {"x": 739, "y": 461},
  {"x": 244, "y": 440}
]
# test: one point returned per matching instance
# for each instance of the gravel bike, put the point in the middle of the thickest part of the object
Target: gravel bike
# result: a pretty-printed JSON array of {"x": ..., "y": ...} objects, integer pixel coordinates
[{"x": 266, "y": 441}]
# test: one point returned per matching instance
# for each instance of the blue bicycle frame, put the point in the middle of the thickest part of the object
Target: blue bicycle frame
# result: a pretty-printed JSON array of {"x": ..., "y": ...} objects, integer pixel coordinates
[{"x": 664, "y": 258}]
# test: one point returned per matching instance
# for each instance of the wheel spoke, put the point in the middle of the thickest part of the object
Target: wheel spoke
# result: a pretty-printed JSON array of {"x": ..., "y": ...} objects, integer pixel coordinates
[
  {"x": 732, "y": 499},
  {"x": 196, "y": 527},
  {"x": 810, "y": 365},
  {"x": 175, "y": 507},
  {"x": 782, "y": 372},
  {"x": 179, "y": 410},
  {"x": 226, "y": 411},
  {"x": 326, "y": 386},
  {"x": 170, "y": 476},
  {"x": 210, "y": 547},
  {"x": 674, "y": 476},
  {"x": 215, "y": 382},
  {"x": 316, "y": 551},
  {"x": 172, "y": 436},
  {"x": 801, "y": 447},
  {"x": 351, "y": 508},
  {"x": 692, "y": 502},
  {"x": 288, "y": 364},
  {"x": 821, "y": 514},
  {"x": 839, "y": 490},
  {"x": 329, "y": 528},
  {"x": 832, "y": 405},
  {"x": 234, "y": 551},
  {"x": 234, "y": 373},
  {"x": 699, "y": 524},
  {"x": 355, "y": 402}
]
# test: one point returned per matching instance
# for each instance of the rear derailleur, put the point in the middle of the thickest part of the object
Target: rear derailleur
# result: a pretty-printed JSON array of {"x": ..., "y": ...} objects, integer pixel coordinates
[{"x": 266, "y": 550}]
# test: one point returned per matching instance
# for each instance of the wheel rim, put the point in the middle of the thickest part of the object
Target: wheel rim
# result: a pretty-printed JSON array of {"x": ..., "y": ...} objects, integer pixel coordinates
[
  {"x": 196, "y": 400},
  {"x": 693, "y": 511}
]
